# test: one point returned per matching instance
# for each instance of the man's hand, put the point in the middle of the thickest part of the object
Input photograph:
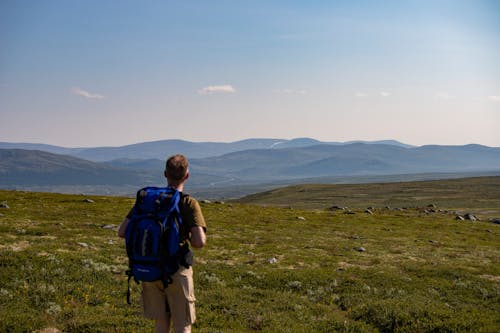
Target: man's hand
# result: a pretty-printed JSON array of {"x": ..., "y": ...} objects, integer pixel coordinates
[{"x": 123, "y": 228}]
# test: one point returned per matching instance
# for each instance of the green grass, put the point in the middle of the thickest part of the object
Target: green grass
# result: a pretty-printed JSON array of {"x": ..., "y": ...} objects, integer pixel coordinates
[
  {"x": 480, "y": 193},
  {"x": 420, "y": 272}
]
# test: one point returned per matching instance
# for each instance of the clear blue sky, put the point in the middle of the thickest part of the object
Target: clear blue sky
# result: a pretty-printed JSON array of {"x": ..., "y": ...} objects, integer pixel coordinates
[{"x": 97, "y": 72}]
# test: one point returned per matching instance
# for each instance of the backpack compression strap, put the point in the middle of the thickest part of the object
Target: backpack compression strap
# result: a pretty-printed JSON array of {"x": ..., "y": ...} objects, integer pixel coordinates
[{"x": 173, "y": 221}]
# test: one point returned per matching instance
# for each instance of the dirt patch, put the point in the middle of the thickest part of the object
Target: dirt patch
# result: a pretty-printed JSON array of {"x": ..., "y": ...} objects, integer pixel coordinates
[
  {"x": 16, "y": 247},
  {"x": 345, "y": 265},
  {"x": 494, "y": 278},
  {"x": 49, "y": 330}
]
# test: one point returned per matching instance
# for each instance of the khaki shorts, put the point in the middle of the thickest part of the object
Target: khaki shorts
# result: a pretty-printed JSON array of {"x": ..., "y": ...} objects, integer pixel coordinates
[{"x": 176, "y": 301}]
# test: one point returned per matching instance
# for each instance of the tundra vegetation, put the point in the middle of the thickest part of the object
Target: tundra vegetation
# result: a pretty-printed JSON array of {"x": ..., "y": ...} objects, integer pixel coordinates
[{"x": 404, "y": 265}]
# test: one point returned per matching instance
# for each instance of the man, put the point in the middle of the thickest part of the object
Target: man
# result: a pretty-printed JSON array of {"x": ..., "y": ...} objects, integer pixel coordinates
[{"x": 174, "y": 303}]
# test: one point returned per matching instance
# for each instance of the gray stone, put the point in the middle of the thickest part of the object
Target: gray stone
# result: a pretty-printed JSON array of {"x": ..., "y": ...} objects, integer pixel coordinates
[
  {"x": 302, "y": 218},
  {"x": 88, "y": 200},
  {"x": 470, "y": 217},
  {"x": 4, "y": 205},
  {"x": 110, "y": 226},
  {"x": 360, "y": 249},
  {"x": 368, "y": 211},
  {"x": 495, "y": 220},
  {"x": 272, "y": 260},
  {"x": 459, "y": 218}
]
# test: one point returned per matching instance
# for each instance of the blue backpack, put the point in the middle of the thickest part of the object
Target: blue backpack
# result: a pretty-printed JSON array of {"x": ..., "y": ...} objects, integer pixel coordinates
[{"x": 152, "y": 235}]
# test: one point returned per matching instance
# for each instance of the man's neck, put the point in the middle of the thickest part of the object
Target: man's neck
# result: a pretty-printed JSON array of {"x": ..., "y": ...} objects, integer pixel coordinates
[{"x": 179, "y": 187}]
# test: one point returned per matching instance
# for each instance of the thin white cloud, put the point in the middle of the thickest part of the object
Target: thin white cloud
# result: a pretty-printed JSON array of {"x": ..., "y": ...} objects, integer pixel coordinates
[
  {"x": 362, "y": 94},
  {"x": 83, "y": 93},
  {"x": 494, "y": 98},
  {"x": 222, "y": 89},
  {"x": 445, "y": 96},
  {"x": 290, "y": 91}
]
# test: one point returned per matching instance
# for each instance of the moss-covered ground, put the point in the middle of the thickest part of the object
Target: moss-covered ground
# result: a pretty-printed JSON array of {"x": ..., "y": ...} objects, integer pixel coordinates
[{"x": 264, "y": 269}]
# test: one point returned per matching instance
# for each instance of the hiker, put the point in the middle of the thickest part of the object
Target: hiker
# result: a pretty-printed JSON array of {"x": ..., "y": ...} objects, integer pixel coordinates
[{"x": 174, "y": 302}]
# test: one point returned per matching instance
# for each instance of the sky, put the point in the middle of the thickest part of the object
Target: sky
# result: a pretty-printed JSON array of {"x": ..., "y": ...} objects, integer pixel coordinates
[{"x": 109, "y": 73}]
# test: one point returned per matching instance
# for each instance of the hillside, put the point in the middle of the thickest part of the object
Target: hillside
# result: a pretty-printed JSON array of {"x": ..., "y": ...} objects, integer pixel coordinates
[
  {"x": 476, "y": 192},
  {"x": 42, "y": 171},
  {"x": 31, "y": 167}
]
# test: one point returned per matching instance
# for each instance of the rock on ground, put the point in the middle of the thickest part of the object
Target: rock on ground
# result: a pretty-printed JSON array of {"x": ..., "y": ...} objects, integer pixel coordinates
[
  {"x": 470, "y": 217},
  {"x": 495, "y": 220}
]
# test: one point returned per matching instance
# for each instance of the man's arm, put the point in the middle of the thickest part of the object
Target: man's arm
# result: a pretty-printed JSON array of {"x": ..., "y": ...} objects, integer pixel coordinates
[
  {"x": 123, "y": 228},
  {"x": 198, "y": 237}
]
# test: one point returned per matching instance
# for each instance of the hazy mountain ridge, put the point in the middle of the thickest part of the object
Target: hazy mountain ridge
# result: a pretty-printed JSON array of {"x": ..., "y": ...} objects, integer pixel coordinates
[
  {"x": 149, "y": 150},
  {"x": 163, "y": 148},
  {"x": 22, "y": 167},
  {"x": 252, "y": 167},
  {"x": 353, "y": 159},
  {"x": 40, "y": 146},
  {"x": 41, "y": 170}
]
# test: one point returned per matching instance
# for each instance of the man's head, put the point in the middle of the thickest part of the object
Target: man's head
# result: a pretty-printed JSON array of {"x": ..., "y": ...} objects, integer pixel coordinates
[{"x": 176, "y": 170}]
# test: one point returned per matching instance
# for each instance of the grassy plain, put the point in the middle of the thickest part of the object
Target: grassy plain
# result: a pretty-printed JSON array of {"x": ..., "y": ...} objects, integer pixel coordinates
[
  {"x": 264, "y": 269},
  {"x": 479, "y": 194}
]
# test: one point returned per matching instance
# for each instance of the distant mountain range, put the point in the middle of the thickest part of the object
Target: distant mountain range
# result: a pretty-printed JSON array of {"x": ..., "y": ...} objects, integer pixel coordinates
[
  {"x": 244, "y": 163},
  {"x": 164, "y": 148},
  {"x": 347, "y": 160}
]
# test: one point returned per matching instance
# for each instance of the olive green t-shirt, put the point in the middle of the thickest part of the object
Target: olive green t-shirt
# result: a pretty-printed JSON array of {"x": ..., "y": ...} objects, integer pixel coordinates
[{"x": 191, "y": 215}]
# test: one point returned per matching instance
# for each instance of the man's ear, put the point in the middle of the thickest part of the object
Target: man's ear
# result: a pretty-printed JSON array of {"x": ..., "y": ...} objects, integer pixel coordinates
[{"x": 187, "y": 176}]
